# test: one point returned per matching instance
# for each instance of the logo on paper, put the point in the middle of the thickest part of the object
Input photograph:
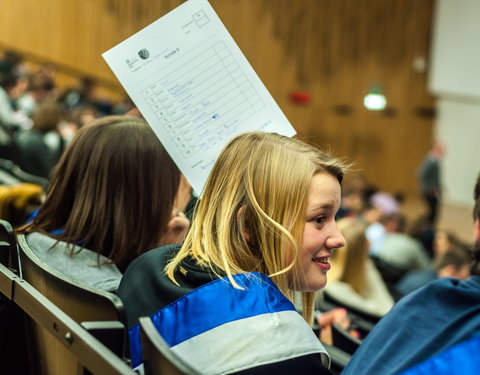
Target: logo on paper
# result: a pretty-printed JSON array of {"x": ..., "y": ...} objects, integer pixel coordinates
[{"x": 144, "y": 54}]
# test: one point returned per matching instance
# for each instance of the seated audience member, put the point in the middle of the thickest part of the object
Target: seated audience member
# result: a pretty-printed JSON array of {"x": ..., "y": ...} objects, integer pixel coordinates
[
  {"x": 8, "y": 82},
  {"x": 110, "y": 199},
  {"x": 77, "y": 118},
  {"x": 428, "y": 323},
  {"x": 264, "y": 229},
  {"x": 375, "y": 231},
  {"x": 35, "y": 94},
  {"x": 387, "y": 203},
  {"x": 421, "y": 230},
  {"x": 453, "y": 262},
  {"x": 326, "y": 319},
  {"x": 352, "y": 204},
  {"x": 39, "y": 148},
  {"x": 399, "y": 249},
  {"x": 354, "y": 280},
  {"x": 85, "y": 95},
  {"x": 378, "y": 205},
  {"x": 443, "y": 241}
]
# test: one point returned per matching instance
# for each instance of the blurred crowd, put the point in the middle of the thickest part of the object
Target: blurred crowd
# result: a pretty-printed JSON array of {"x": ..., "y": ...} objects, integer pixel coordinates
[{"x": 37, "y": 121}]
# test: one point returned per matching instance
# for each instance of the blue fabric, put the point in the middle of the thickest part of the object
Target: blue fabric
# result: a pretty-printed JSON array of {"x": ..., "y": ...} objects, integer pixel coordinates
[
  {"x": 461, "y": 359},
  {"x": 210, "y": 306},
  {"x": 421, "y": 325},
  {"x": 414, "y": 280},
  {"x": 34, "y": 215}
]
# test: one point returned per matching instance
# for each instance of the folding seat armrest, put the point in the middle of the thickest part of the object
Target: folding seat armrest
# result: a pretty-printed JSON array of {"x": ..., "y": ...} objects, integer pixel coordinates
[{"x": 112, "y": 334}]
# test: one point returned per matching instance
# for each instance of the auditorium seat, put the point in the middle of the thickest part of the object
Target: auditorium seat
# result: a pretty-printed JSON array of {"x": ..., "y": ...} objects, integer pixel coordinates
[
  {"x": 13, "y": 345},
  {"x": 339, "y": 358},
  {"x": 158, "y": 358},
  {"x": 344, "y": 340},
  {"x": 81, "y": 303},
  {"x": 76, "y": 349}
]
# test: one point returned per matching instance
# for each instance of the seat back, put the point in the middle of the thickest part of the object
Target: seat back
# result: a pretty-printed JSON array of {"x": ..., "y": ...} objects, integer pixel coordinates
[
  {"x": 85, "y": 349},
  {"x": 8, "y": 245},
  {"x": 390, "y": 274},
  {"x": 334, "y": 302},
  {"x": 344, "y": 340},
  {"x": 338, "y": 358},
  {"x": 79, "y": 302},
  {"x": 13, "y": 344},
  {"x": 158, "y": 358}
]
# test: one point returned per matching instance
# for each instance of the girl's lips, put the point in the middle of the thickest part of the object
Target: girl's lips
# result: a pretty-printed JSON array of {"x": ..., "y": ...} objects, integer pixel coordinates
[
  {"x": 322, "y": 262},
  {"x": 323, "y": 266}
]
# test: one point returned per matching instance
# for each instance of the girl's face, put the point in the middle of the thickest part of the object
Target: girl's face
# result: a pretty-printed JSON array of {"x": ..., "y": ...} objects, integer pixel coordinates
[{"x": 321, "y": 234}]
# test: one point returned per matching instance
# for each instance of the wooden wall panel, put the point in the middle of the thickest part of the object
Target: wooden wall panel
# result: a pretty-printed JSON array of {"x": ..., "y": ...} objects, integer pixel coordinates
[{"x": 334, "y": 49}]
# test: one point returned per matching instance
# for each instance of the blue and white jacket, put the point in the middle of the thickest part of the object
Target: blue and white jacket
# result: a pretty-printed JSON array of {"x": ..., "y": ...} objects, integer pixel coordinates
[{"x": 219, "y": 329}]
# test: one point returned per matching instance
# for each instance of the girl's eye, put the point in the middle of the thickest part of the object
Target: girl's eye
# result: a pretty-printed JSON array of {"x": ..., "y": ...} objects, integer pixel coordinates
[{"x": 319, "y": 220}]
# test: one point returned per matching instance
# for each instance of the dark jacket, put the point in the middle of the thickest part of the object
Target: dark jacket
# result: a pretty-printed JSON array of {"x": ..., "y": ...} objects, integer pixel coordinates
[
  {"x": 34, "y": 155},
  {"x": 219, "y": 329},
  {"x": 422, "y": 324}
]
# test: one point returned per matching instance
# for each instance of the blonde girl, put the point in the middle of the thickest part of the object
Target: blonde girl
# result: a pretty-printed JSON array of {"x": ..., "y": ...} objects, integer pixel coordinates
[{"x": 264, "y": 229}]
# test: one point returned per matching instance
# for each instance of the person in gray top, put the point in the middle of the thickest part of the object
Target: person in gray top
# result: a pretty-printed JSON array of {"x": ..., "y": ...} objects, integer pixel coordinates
[
  {"x": 110, "y": 199},
  {"x": 38, "y": 149}
]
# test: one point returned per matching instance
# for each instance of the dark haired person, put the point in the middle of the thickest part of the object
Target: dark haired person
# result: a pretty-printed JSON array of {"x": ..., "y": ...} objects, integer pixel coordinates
[
  {"x": 39, "y": 148},
  {"x": 454, "y": 262},
  {"x": 434, "y": 330},
  {"x": 429, "y": 178},
  {"x": 111, "y": 198}
]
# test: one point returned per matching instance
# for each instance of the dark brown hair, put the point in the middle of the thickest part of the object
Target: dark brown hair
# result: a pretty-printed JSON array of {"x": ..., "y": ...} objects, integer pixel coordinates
[
  {"x": 458, "y": 255},
  {"x": 47, "y": 116},
  {"x": 112, "y": 191}
]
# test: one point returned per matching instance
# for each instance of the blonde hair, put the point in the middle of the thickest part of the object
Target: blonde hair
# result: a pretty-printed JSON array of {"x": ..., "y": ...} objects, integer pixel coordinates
[
  {"x": 348, "y": 263},
  {"x": 252, "y": 214}
]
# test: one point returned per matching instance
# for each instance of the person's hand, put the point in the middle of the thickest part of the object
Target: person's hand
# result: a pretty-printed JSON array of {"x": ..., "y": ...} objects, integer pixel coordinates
[
  {"x": 338, "y": 315},
  {"x": 327, "y": 318},
  {"x": 177, "y": 229}
]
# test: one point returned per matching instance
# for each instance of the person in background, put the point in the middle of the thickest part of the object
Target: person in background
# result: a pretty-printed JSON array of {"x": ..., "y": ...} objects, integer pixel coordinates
[
  {"x": 76, "y": 119},
  {"x": 400, "y": 250},
  {"x": 39, "y": 148},
  {"x": 378, "y": 206},
  {"x": 421, "y": 230},
  {"x": 352, "y": 204},
  {"x": 264, "y": 229},
  {"x": 444, "y": 240},
  {"x": 452, "y": 262},
  {"x": 85, "y": 94},
  {"x": 430, "y": 181},
  {"x": 354, "y": 281},
  {"x": 436, "y": 327},
  {"x": 374, "y": 230},
  {"x": 8, "y": 81},
  {"x": 111, "y": 198},
  {"x": 34, "y": 95}
]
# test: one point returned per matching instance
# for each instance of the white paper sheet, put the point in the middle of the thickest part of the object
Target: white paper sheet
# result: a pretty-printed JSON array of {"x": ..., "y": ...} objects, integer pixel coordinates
[{"x": 194, "y": 86}]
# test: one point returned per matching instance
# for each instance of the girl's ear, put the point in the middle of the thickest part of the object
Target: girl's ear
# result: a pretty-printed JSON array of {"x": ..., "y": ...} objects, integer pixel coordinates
[{"x": 241, "y": 224}]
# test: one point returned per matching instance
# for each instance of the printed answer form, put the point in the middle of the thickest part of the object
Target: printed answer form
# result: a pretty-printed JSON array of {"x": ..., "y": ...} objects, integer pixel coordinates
[{"x": 194, "y": 86}]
